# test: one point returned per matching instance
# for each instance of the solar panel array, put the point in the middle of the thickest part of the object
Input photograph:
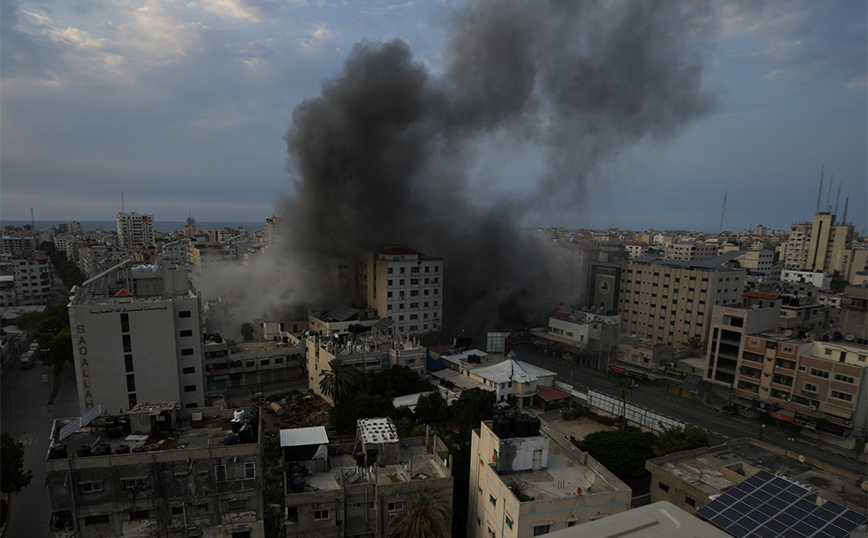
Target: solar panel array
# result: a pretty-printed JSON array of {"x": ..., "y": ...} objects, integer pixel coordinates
[
  {"x": 769, "y": 506},
  {"x": 691, "y": 382}
]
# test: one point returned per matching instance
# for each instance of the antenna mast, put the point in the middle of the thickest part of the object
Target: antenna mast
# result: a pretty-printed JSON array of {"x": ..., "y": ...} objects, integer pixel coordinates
[
  {"x": 32, "y": 220},
  {"x": 837, "y": 198},
  {"x": 820, "y": 192},
  {"x": 846, "y": 206},
  {"x": 723, "y": 212},
  {"x": 829, "y": 196}
]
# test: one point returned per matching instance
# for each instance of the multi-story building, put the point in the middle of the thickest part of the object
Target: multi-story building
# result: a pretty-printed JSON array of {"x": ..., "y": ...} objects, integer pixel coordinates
[
  {"x": 692, "y": 252},
  {"x": 342, "y": 491},
  {"x": 202, "y": 257},
  {"x": 32, "y": 277},
  {"x": 729, "y": 323},
  {"x": 795, "y": 250},
  {"x": 802, "y": 314},
  {"x": 636, "y": 249},
  {"x": 405, "y": 286},
  {"x": 814, "y": 246},
  {"x": 18, "y": 244},
  {"x": 249, "y": 364},
  {"x": 854, "y": 314},
  {"x": 817, "y": 279},
  {"x": 528, "y": 480},
  {"x": 272, "y": 230},
  {"x": 160, "y": 471},
  {"x": 670, "y": 301},
  {"x": 135, "y": 229},
  {"x": 575, "y": 332},
  {"x": 74, "y": 227},
  {"x": 137, "y": 336},
  {"x": 817, "y": 384}
]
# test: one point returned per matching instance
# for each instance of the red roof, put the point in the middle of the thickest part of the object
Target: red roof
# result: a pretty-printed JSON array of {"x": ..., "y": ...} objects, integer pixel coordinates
[
  {"x": 549, "y": 394},
  {"x": 124, "y": 293},
  {"x": 562, "y": 315},
  {"x": 761, "y": 295},
  {"x": 443, "y": 349}
]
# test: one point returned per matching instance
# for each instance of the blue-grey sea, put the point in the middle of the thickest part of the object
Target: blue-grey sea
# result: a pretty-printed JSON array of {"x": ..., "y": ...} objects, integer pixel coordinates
[{"x": 160, "y": 226}]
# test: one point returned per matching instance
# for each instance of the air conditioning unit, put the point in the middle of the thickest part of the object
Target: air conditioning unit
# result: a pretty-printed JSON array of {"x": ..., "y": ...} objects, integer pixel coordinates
[{"x": 813, "y": 408}]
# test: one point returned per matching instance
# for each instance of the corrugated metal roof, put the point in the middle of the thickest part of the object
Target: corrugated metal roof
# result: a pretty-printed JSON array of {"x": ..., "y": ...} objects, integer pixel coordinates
[
  {"x": 315, "y": 435},
  {"x": 342, "y": 313}
]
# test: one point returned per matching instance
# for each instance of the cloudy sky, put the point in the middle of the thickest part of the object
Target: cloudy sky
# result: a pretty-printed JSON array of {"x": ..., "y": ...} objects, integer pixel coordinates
[{"x": 182, "y": 105}]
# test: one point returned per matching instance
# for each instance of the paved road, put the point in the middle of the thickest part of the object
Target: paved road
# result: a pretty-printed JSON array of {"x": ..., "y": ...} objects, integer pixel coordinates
[
  {"x": 719, "y": 426},
  {"x": 25, "y": 415}
]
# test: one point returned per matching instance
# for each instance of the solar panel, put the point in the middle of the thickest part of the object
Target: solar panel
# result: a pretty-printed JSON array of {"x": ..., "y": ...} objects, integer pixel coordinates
[{"x": 769, "y": 506}]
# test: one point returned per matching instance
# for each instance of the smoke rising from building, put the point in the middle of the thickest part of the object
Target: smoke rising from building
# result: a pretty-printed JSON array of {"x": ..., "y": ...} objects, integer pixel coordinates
[{"x": 383, "y": 155}]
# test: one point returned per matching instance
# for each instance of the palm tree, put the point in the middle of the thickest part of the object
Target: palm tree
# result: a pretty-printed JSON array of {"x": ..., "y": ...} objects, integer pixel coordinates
[
  {"x": 694, "y": 346},
  {"x": 336, "y": 381},
  {"x": 625, "y": 385},
  {"x": 425, "y": 515}
]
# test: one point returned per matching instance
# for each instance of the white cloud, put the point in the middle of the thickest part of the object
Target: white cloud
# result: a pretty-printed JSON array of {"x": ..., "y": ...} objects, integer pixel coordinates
[{"x": 237, "y": 9}]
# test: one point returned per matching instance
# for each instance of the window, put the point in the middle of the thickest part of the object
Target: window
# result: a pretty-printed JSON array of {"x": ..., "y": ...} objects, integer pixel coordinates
[
  {"x": 810, "y": 387},
  {"x": 492, "y": 500},
  {"x": 190, "y": 388},
  {"x": 220, "y": 473},
  {"x": 664, "y": 487},
  {"x": 292, "y": 514},
  {"x": 131, "y": 383},
  {"x": 539, "y": 530},
  {"x": 237, "y": 504},
  {"x": 135, "y": 482},
  {"x": 396, "y": 506},
  {"x": 96, "y": 520},
  {"x": 128, "y": 363},
  {"x": 819, "y": 373},
  {"x": 93, "y": 486},
  {"x": 202, "y": 507},
  {"x": 842, "y": 396},
  {"x": 249, "y": 470},
  {"x": 265, "y": 362},
  {"x": 132, "y": 399},
  {"x": 128, "y": 346},
  {"x": 187, "y": 332},
  {"x": 187, "y": 351},
  {"x": 241, "y": 534},
  {"x": 319, "y": 515},
  {"x": 844, "y": 378},
  {"x": 690, "y": 502},
  {"x": 177, "y": 510},
  {"x": 184, "y": 314},
  {"x": 189, "y": 370},
  {"x": 138, "y": 515},
  {"x": 125, "y": 323}
]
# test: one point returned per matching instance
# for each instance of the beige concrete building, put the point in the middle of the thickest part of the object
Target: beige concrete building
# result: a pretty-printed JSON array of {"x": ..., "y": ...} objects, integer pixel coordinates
[
  {"x": 32, "y": 280},
  {"x": 405, "y": 286},
  {"x": 135, "y": 229},
  {"x": 357, "y": 490},
  {"x": 815, "y": 246},
  {"x": 249, "y": 364},
  {"x": 162, "y": 471},
  {"x": 820, "y": 385},
  {"x": 692, "y": 252},
  {"x": 528, "y": 480},
  {"x": 670, "y": 301}
]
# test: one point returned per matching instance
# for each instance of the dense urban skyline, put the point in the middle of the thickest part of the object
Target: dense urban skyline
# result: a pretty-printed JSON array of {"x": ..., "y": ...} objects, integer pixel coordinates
[{"x": 183, "y": 109}]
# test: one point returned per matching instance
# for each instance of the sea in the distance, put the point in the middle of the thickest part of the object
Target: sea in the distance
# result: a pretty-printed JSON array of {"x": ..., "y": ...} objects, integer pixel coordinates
[{"x": 160, "y": 226}]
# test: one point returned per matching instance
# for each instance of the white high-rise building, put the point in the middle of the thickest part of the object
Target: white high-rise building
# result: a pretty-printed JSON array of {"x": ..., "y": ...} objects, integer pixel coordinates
[
  {"x": 137, "y": 337},
  {"x": 135, "y": 229}
]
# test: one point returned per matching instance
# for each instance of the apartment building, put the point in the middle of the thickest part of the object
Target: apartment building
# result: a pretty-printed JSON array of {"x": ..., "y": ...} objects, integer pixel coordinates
[
  {"x": 405, "y": 286},
  {"x": 729, "y": 323},
  {"x": 32, "y": 280},
  {"x": 574, "y": 332},
  {"x": 815, "y": 246},
  {"x": 670, "y": 301},
  {"x": 817, "y": 384},
  {"x": 802, "y": 314},
  {"x": 249, "y": 364},
  {"x": 357, "y": 490},
  {"x": 161, "y": 471},
  {"x": 137, "y": 336},
  {"x": 135, "y": 229},
  {"x": 817, "y": 279},
  {"x": 692, "y": 252},
  {"x": 18, "y": 244},
  {"x": 526, "y": 479}
]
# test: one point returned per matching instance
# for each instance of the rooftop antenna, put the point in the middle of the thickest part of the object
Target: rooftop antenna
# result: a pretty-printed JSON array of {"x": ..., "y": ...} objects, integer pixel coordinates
[
  {"x": 820, "y": 192},
  {"x": 829, "y": 195},
  {"x": 846, "y": 206},
  {"x": 838, "y": 198},
  {"x": 723, "y": 212}
]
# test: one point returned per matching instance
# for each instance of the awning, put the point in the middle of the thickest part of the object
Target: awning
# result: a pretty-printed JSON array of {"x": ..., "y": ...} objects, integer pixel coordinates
[{"x": 549, "y": 394}]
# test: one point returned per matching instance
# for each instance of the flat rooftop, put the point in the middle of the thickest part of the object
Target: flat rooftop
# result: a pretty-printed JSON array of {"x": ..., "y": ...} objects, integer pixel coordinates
[{"x": 703, "y": 469}]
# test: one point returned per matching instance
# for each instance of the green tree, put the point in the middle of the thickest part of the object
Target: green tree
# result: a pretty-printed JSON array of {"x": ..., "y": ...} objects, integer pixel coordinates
[
  {"x": 621, "y": 451},
  {"x": 13, "y": 477},
  {"x": 336, "y": 382},
  {"x": 424, "y": 516},
  {"x": 431, "y": 408},
  {"x": 247, "y": 331},
  {"x": 348, "y": 410},
  {"x": 624, "y": 385},
  {"x": 472, "y": 407},
  {"x": 694, "y": 346},
  {"x": 676, "y": 439}
]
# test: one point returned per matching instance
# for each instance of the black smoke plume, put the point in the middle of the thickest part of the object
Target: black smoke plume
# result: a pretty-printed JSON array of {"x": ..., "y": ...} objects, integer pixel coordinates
[{"x": 383, "y": 155}]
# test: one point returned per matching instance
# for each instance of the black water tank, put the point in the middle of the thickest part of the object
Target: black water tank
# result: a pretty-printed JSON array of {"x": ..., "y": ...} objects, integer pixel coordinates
[
  {"x": 83, "y": 451},
  {"x": 111, "y": 422},
  {"x": 57, "y": 452},
  {"x": 122, "y": 449},
  {"x": 297, "y": 485},
  {"x": 502, "y": 428},
  {"x": 230, "y": 439},
  {"x": 245, "y": 435},
  {"x": 236, "y": 425},
  {"x": 521, "y": 426},
  {"x": 124, "y": 422},
  {"x": 115, "y": 431},
  {"x": 534, "y": 426}
]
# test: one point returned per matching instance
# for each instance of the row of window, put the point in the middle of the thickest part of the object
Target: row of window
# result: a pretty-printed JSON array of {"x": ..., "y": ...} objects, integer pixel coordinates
[{"x": 414, "y": 270}]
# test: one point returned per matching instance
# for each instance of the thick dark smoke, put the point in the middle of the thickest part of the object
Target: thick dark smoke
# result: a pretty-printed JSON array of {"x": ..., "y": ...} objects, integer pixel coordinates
[{"x": 382, "y": 156}]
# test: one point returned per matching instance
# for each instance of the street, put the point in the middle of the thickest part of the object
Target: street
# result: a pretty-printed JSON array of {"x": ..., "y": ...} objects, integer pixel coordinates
[{"x": 718, "y": 426}]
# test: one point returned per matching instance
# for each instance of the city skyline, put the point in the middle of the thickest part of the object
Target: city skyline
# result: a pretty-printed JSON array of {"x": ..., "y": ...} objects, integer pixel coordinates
[{"x": 183, "y": 109}]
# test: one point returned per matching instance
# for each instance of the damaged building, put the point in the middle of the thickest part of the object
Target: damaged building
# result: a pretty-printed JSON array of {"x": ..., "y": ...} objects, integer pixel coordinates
[{"x": 159, "y": 471}]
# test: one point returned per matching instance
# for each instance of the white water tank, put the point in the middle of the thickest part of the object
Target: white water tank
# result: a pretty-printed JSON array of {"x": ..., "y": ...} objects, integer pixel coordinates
[{"x": 239, "y": 415}]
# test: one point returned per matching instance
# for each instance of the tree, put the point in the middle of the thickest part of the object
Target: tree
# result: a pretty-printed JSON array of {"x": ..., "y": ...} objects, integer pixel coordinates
[
  {"x": 431, "y": 408},
  {"x": 625, "y": 385},
  {"x": 621, "y": 451},
  {"x": 336, "y": 381},
  {"x": 472, "y": 407},
  {"x": 13, "y": 478},
  {"x": 247, "y": 331},
  {"x": 424, "y": 516},
  {"x": 676, "y": 439},
  {"x": 694, "y": 346}
]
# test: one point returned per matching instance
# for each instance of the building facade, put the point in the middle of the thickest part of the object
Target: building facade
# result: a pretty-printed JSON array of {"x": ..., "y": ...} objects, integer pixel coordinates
[
  {"x": 137, "y": 336},
  {"x": 135, "y": 229},
  {"x": 32, "y": 278}
]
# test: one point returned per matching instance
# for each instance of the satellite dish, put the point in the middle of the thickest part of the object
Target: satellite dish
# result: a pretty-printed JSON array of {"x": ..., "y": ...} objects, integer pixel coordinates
[
  {"x": 850, "y": 337},
  {"x": 588, "y": 479},
  {"x": 788, "y": 332},
  {"x": 801, "y": 459}
]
